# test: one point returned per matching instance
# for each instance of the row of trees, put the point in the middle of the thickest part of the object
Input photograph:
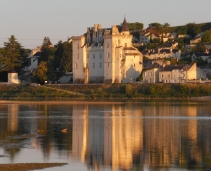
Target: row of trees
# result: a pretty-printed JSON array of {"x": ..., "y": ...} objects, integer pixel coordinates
[{"x": 53, "y": 58}]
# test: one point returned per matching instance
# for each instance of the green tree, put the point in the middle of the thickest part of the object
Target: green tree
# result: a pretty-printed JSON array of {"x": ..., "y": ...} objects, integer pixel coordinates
[
  {"x": 206, "y": 37},
  {"x": 193, "y": 29},
  {"x": 128, "y": 89},
  {"x": 41, "y": 72},
  {"x": 46, "y": 42},
  {"x": 157, "y": 26},
  {"x": 199, "y": 48},
  {"x": 135, "y": 26},
  {"x": 10, "y": 57},
  {"x": 182, "y": 30},
  {"x": 63, "y": 56},
  {"x": 47, "y": 50},
  {"x": 166, "y": 25},
  {"x": 156, "y": 40}
]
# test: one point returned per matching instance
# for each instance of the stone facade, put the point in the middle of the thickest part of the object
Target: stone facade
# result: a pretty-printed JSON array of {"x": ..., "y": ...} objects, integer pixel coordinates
[{"x": 105, "y": 56}]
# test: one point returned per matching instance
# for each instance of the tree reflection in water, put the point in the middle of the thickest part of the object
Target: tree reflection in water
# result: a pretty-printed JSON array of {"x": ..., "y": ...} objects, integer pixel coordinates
[{"x": 125, "y": 136}]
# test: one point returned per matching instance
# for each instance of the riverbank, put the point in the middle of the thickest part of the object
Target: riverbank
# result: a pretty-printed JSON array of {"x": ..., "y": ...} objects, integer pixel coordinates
[
  {"x": 29, "y": 166},
  {"x": 105, "y": 92}
]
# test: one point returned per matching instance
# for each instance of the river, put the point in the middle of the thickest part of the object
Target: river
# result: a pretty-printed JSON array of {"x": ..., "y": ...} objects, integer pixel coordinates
[{"x": 135, "y": 135}]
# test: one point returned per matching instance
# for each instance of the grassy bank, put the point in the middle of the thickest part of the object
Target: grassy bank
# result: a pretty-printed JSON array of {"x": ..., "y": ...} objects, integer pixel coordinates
[{"x": 104, "y": 91}]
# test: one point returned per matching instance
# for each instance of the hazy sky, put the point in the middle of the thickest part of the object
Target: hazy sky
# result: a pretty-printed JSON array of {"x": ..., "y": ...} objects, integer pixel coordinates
[{"x": 31, "y": 20}]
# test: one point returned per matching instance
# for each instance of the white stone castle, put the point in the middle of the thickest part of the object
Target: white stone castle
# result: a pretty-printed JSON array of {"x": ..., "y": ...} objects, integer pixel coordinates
[{"x": 106, "y": 56}]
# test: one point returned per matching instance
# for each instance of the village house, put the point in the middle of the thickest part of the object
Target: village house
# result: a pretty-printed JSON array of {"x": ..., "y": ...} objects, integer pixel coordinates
[
  {"x": 105, "y": 56},
  {"x": 148, "y": 34},
  {"x": 180, "y": 73},
  {"x": 159, "y": 53},
  {"x": 203, "y": 55},
  {"x": 168, "y": 36},
  {"x": 195, "y": 40},
  {"x": 32, "y": 62},
  {"x": 151, "y": 73}
]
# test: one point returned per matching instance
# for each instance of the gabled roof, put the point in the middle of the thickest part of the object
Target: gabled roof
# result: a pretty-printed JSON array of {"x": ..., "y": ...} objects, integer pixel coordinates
[
  {"x": 172, "y": 67},
  {"x": 37, "y": 54},
  {"x": 125, "y": 26},
  {"x": 199, "y": 54},
  {"x": 184, "y": 67},
  {"x": 154, "y": 65}
]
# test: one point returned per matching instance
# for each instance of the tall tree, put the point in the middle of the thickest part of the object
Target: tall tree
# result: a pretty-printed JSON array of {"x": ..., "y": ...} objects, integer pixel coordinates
[
  {"x": 206, "y": 37},
  {"x": 11, "y": 55},
  {"x": 63, "y": 56},
  {"x": 135, "y": 26},
  {"x": 41, "y": 72}
]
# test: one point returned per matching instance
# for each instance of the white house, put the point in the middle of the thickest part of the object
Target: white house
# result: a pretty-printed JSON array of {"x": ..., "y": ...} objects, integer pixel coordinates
[
  {"x": 105, "y": 56},
  {"x": 151, "y": 73},
  {"x": 202, "y": 55},
  {"x": 180, "y": 73},
  {"x": 33, "y": 59},
  {"x": 159, "y": 53}
]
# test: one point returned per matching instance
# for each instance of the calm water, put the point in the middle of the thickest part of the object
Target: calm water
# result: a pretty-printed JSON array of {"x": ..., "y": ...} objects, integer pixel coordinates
[{"x": 119, "y": 136}]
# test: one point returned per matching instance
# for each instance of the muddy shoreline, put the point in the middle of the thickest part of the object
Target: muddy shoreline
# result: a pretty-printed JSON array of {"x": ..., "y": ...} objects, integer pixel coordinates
[{"x": 28, "y": 166}]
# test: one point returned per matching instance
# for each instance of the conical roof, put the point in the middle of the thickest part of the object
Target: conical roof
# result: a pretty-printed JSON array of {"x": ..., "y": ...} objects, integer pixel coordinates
[{"x": 125, "y": 26}]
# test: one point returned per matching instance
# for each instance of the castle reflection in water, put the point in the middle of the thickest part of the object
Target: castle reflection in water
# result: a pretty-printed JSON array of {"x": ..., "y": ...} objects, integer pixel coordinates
[{"x": 118, "y": 136}]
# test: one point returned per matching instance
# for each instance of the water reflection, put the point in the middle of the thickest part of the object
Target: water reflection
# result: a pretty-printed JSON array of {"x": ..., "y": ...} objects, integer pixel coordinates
[{"x": 137, "y": 136}]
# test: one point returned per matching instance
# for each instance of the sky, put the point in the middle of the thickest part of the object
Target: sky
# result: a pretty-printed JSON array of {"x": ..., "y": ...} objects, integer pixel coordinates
[{"x": 32, "y": 20}]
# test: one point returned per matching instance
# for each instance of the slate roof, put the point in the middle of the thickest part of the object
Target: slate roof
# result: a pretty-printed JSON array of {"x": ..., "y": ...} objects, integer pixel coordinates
[
  {"x": 37, "y": 54},
  {"x": 199, "y": 54},
  {"x": 125, "y": 26},
  {"x": 154, "y": 65},
  {"x": 185, "y": 67},
  {"x": 172, "y": 67}
]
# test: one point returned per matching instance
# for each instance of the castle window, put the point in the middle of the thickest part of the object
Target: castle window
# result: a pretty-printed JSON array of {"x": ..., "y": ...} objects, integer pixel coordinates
[
  {"x": 93, "y": 56},
  {"x": 75, "y": 65},
  {"x": 77, "y": 46},
  {"x": 108, "y": 55},
  {"x": 100, "y": 55},
  {"x": 107, "y": 45},
  {"x": 78, "y": 56},
  {"x": 100, "y": 65},
  {"x": 125, "y": 44},
  {"x": 107, "y": 65},
  {"x": 93, "y": 65},
  {"x": 134, "y": 65}
]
